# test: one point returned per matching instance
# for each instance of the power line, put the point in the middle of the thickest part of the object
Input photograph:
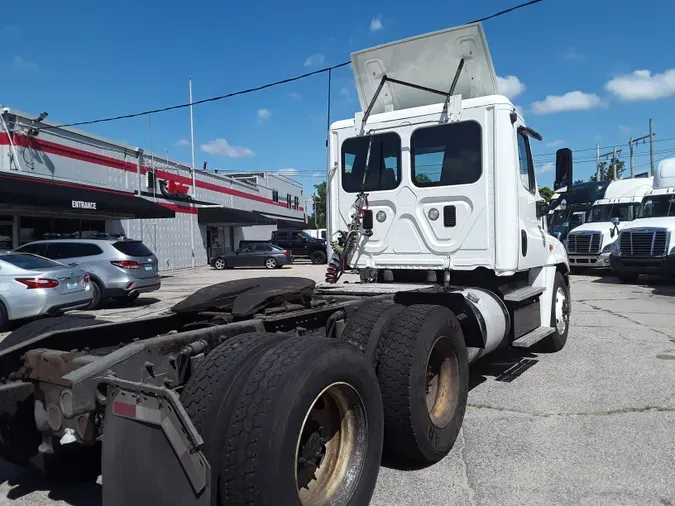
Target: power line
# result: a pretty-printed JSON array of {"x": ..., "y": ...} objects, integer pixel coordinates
[
  {"x": 611, "y": 146},
  {"x": 262, "y": 87}
]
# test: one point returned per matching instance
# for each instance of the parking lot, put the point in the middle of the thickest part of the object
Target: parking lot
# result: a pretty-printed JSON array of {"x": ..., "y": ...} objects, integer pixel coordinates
[{"x": 593, "y": 424}]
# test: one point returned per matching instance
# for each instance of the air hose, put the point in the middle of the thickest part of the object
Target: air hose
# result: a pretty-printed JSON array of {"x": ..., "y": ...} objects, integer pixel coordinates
[{"x": 343, "y": 242}]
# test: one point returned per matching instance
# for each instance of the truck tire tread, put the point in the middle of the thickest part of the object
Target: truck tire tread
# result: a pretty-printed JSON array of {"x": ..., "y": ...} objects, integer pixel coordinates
[
  {"x": 407, "y": 422},
  {"x": 258, "y": 438},
  {"x": 367, "y": 326}
]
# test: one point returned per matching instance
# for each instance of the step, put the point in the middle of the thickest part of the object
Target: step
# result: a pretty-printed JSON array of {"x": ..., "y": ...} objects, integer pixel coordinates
[
  {"x": 533, "y": 337},
  {"x": 521, "y": 294}
]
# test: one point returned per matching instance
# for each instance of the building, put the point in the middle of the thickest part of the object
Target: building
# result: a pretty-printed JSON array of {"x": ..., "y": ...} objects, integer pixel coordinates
[{"x": 56, "y": 180}]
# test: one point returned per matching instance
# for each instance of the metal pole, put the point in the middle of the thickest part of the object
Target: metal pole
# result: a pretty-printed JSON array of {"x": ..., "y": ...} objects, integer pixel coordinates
[
  {"x": 597, "y": 162},
  {"x": 614, "y": 164},
  {"x": 630, "y": 145},
  {"x": 651, "y": 147},
  {"x": 194, "y": 186}
]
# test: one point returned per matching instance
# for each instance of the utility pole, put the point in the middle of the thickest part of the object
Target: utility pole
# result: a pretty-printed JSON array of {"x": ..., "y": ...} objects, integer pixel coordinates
[
  {"x": 651, "y": 147},
  {"x": 316, "y": 216},
  {"x": 194, "y": 184},
  {"x": 597, "y": 162},
  {"x": 631, "y": 145},
  {"x": 612, "y": 166}
]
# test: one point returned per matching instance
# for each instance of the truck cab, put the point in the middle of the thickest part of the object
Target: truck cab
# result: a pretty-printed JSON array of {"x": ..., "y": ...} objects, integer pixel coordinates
[
  {"x": 575, "y": 206},
  {"x": 434, "y": 180},
  {"x": 647, "y": 245},
  {"x": 588, "y": 245}
]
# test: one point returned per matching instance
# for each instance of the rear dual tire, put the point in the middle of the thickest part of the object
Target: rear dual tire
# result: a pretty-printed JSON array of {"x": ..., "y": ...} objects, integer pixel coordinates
[
  {"x": 258, "y": 401},
  {"x": 422, "y": 367}
]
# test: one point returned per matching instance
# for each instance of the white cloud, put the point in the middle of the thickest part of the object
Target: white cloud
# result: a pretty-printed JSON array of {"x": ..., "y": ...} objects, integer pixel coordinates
[
  {"x": 220, "y": 147},
  {"x": 571, "y": 54},
  {"x": 314, "y": 60},
  {"x": 510, "y": 86},
  {"x": 642, "y": 85},
  {"x": 182, "y": 142},
  {"x": 288, "y": 172},
  {"x": 23, "y": 64},
  {"x": 572, "y": 101},
  {"x": 294, "y": 96},
  {"x": 376, "y": 24},
  {"x": 625, "y": 129},
  {"x": 263, "y": 114},
  {"x": 555, "y": 144},
  {"x": 543, "y": 169},
  {"x": 345, "y": 93}
]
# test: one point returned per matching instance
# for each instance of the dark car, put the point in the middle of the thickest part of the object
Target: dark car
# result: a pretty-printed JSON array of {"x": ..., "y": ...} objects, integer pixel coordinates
[
  {"x": 300, "y": 243},
  {"x": 254, "y": 255}
]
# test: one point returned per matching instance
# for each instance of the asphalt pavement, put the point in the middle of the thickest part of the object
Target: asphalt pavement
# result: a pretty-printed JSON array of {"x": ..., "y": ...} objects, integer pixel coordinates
[{"x": 592, "y": 424}]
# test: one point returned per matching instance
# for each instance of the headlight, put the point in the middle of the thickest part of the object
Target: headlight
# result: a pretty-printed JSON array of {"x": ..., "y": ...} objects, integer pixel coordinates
[
  {"x": 608, "y": 248},
  {"x": 672, "y": 251}
]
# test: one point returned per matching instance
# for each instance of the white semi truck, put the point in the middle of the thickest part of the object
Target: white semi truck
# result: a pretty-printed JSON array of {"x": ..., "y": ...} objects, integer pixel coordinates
[
  {"x": 277, "y": 391},
  {"x": 647, "y": 245},
  {"x": 588, "y": 245}
]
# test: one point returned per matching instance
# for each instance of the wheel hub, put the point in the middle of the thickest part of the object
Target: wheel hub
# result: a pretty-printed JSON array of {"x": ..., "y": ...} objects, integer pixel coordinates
[
  {"x": 313, "y": 450},
  {"x": 331, "y": 448}
]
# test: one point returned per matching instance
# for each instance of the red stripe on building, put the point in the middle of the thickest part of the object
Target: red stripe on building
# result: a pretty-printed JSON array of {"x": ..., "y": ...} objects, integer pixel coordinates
[
  {"x": 106, "y": 161},
  {"x": 178, "y": 208}
]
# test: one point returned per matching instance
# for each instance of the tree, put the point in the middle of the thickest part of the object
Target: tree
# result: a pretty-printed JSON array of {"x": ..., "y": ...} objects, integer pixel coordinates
[
  {"x": 578, "y": 181},
  {"x": 546, "y": 193},
  {"x": 422, "y": 178},
  {"x": 318, "y": 217},
  {"x": 606, "y": 173}
]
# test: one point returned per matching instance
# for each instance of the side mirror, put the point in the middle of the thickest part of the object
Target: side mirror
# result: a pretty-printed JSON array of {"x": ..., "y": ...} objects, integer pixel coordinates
[
  {"x": 542, "y": 209},
  {"x": 615, "y": 221},
  {"x": 563, "y": 169}
]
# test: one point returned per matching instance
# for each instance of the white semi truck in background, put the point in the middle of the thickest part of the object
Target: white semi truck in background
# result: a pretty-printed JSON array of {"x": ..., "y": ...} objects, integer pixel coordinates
[
  {"x": 274, "y": 391},
  {"x": 588, "y": 245},
  {"x": 647, "y": 245}
]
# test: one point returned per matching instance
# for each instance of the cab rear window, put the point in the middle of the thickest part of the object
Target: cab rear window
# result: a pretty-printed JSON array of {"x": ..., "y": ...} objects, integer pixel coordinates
[
  {"x": 446, "y": 155},
  {"x": 384, "y": 165}
]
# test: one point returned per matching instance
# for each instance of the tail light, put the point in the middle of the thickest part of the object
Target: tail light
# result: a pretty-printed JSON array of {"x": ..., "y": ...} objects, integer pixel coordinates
[
  {"x": 86, "y": 277},
  {"x": 125, "y": 264},
  {"x": 287, "y": 253},
  {"x": 38, "y": 282}
]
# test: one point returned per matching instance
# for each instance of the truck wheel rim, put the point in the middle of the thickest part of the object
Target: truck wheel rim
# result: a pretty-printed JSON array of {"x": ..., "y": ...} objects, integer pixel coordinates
[
  {"x": 220, "y": 264},
  {"x": 441, "y": 388},
  {"x": 331, "y": 450},
  {"x": 560, "y": 316},
  {"x": 270, "y": 263}
]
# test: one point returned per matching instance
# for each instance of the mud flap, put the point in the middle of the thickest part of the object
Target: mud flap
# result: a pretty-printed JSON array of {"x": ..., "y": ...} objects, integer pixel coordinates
[{"x": 151, "y": 450}]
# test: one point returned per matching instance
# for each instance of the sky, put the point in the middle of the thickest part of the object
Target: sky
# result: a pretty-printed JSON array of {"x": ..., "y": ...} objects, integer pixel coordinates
[{"x": 583, "y": 72}]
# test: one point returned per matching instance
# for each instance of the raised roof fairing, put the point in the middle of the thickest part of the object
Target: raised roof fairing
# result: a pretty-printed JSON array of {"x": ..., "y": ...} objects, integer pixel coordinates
[{"x": 429, "y": 60}]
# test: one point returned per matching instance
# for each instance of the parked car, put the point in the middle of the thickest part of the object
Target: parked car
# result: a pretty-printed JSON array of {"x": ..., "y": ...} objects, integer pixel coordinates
[
  {"x": 120, "y": 269},
  {"x": 254, "y": 255},
  {"x": 300, "y": 243},
  {"x": 32, "y": 287}
]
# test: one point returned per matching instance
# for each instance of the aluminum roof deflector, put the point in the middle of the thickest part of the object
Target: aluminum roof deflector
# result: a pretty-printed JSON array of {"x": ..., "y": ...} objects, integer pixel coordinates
[{"x": 447, "y": 95}]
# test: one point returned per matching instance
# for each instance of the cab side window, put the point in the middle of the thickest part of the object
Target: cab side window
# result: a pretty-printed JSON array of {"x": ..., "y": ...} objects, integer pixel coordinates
[{"x": 526, "y": 166}]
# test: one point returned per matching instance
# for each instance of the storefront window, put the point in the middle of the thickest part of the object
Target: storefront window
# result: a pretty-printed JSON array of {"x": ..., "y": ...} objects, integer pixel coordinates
[
  {"x": 5, "y": 232},
  {"x": 36, "y": 228}
]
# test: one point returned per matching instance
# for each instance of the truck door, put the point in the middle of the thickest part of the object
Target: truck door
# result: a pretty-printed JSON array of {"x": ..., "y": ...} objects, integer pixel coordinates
[{"x": 532, "y": 238}]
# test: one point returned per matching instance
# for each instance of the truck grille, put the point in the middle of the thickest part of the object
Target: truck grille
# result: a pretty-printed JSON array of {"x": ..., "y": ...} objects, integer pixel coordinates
[
  {"x": 584, "y": 243},
  {"x": 643, "y": 243}
]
